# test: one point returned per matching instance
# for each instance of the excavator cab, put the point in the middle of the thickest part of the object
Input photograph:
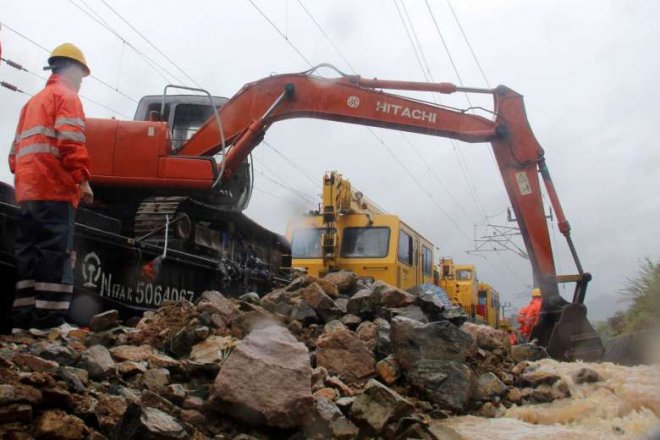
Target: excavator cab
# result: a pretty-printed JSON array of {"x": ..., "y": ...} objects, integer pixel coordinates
[{"x": 184, "y": 114}]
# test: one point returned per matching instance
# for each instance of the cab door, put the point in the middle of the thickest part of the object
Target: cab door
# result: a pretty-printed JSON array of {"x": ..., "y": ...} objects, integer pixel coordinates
[{"x": 405, "y": 260}]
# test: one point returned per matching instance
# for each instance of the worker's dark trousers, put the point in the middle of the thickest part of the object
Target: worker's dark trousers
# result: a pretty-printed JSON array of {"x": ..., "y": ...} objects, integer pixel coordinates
[{"x": 44, "y": 286}]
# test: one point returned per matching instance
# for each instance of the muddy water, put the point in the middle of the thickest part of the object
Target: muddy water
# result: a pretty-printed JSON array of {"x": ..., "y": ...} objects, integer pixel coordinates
[{"x": 626, "y": 405}]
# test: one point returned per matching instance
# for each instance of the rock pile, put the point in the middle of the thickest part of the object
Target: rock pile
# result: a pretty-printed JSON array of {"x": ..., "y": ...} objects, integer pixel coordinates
[{"x": 319, "y": 358}]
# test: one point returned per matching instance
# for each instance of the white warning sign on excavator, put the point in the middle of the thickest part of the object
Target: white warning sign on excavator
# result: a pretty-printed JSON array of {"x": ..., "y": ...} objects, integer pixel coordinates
[{"x": 523, "y": 183}]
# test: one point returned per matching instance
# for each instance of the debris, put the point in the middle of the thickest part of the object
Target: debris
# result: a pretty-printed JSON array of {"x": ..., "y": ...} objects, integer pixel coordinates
[{"x": 233, "y": 369}]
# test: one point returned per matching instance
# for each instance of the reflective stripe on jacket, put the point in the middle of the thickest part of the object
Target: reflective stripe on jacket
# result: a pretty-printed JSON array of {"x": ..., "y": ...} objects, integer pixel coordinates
[{"x": 48, "y": 155}]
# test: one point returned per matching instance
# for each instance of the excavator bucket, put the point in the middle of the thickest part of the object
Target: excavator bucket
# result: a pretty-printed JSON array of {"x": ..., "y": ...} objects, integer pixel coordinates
[{"x": 568, "y": 335}]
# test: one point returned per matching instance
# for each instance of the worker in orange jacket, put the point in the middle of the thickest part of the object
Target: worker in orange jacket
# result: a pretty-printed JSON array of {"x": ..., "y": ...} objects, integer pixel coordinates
[
  {"x": 529, "y": 315},
  {"x": 51, "y": 167}
]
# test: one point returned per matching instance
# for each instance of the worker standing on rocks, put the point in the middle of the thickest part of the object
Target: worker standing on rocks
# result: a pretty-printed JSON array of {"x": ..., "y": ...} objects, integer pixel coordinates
[
  {"x": 529, "y": 315},
  {"x": 51, "y": 167}
]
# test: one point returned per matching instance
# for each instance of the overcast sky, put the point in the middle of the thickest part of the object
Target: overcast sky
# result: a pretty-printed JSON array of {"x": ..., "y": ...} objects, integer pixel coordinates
[{"x": 588, "y": 70}]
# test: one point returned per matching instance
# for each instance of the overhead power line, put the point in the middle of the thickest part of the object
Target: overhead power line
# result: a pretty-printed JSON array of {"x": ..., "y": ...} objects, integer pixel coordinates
[
  {"x": 151, "y": 44},
  {"x": 274, "y": 26},
  {"x": 334, "y": 46},
  {"x": 428, "y": 75},
  {"x": 40, "y": 46},
  {"x": 159, "y": 69},
  {"x": 20, "y": 67},
  {"x": 467, "y": 41}
]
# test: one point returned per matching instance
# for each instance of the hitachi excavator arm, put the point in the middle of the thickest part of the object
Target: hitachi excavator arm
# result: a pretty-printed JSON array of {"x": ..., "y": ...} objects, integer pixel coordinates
[{"x": 563, "y": 327}]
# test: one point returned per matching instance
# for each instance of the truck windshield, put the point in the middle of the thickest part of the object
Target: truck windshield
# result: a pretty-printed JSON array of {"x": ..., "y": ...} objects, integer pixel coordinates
[
  {"x": 365, "y": 242},
  {"x": 306, "y": 243},
  {"x": 464, "y": 275}
]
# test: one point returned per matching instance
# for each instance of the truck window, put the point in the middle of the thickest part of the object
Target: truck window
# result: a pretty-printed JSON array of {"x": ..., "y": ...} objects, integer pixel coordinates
[
  {"x": 427, "y": 260},
  {"x": 464, "y": 275},
  {"x": 483, "y": 298},
  {"x": 365, "y": 242},
  {"x": 405, "y": 248},
  {"x": 306, "y": 243}
]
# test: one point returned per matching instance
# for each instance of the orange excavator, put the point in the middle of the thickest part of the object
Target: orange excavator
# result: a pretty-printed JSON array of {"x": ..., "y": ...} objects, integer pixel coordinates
[{"x": 185, "y": 184}]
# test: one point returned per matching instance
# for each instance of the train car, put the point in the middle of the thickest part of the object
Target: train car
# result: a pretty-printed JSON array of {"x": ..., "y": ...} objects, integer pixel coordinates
[
  {"x": 488, "y": 305},
  {"x": 375, "y": 247}
]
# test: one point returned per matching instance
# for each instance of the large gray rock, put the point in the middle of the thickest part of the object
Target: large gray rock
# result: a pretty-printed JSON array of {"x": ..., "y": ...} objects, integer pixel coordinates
[
  {"x": 104, "y": 321},
  {"x": 378, "y": 405},
  {"x": 413, "y": 342},
  {"x": 342, "y": 352},
  {"x": 449, "y": 384},
  {"x": 327, "y": 421},
  {"x": 411, "y": 312},
  {"x": 488, "y": 386},
  {"x": 365, "y": 303},
  {"x": 528, "y": 352},
  {"x": 98, "y": 362},
  {"x": 212, "y": 302},
  {"x": 148, "y": 424},
  {"x": 266, "y": 380}
]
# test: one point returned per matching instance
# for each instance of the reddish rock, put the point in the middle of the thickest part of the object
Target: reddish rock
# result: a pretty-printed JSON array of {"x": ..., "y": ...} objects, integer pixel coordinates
[
  {"x": 329, "y": 288},
  {"x": 389, "y": 370},
  {"x": 343, "y": 280},
  {"x": 486, "y": 337},
  {"x": 266, "y": 380},
  {"x": 322, "y": 304},
  {"x": 215, "y": 302},
  {"x": 34, "y": 363},
  {"x": 339, "y": 385},
  {"x": 109, "y": 410},
  {"x": 129, "y": 368},
  {"x": 58, "y": 425},
  {"x": 132, "y": 352},
  {"x": 514, "y": 395},
  {"x": 393, "y": 297},
  {"x": 156, "y": 378},
  {"x": 368, "y": 333},
  {"x": 327, "y": 393},
  {"x": 213, "y": 349},
  {"x": 160, "y": 360},
  {"x": 342, "y": 352}
]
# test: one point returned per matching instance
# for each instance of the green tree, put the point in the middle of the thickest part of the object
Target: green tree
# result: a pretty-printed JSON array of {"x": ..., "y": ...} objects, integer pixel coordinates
[{"x": 643, "y": 292}]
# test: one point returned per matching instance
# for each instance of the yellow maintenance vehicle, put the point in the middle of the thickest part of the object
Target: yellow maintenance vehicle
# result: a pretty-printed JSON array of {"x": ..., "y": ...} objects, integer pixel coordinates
[
  {"x": 461, "y": 284},
  {"x": 488, "y": 305},
  {"x": 352, "y": 233}
]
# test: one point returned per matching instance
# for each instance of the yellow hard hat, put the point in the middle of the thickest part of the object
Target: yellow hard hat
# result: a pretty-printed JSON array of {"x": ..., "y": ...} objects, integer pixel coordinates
[
  {"x": 536, "y": 292},
  {"x": 70, "y": 51}
]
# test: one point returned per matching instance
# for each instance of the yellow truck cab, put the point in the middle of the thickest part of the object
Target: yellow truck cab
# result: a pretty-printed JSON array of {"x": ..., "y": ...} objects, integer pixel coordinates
[
  {"x": 375, "y": 247},
  {"x": 350, "y": 232},
  {"x": 460, "y": 282}
]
